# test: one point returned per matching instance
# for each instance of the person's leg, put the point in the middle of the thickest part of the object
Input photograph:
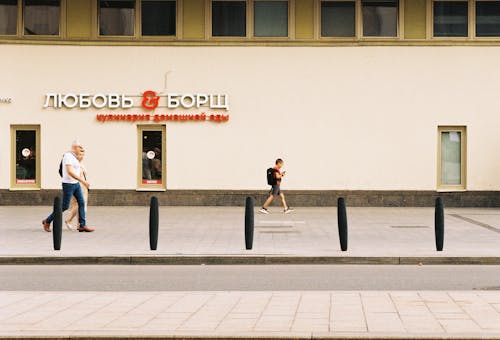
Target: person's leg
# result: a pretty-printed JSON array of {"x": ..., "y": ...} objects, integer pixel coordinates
[
  {"x": 283, "y": 201},
  {"x": 73, "y": 210},
  {"x": 268, "y": 201},
  {"x": 67, "y": 192},
  {"x": 81, "y": 206}
]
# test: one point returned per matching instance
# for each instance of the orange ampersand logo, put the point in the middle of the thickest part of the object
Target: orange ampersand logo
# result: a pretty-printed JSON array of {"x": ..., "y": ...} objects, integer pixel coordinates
[{"x": 150, "y": 100}]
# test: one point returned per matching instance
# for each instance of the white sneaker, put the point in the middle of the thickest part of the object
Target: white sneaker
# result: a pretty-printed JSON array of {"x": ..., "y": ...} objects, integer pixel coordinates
[
  {"x": 69, "y": 226},
  {"x": 264, "y": 211},
  {"x": 288, "y": 210}
]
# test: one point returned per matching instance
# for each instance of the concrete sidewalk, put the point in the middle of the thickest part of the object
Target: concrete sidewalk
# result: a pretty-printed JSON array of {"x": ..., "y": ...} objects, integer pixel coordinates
[
  {"x": 218, "y": 232},
  {"x": 260, "y": 315}
]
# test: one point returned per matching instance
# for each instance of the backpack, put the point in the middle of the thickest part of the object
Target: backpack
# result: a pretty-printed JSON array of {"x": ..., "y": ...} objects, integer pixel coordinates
[
  {"x": 271, "y": 178},
  {"x": 60, "y": 168}
]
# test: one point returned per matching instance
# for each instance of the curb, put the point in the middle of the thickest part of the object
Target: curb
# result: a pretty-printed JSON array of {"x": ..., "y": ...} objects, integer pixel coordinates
[
  {"x": 246, "y": 260},
  {"x": 264, "y": 337}
]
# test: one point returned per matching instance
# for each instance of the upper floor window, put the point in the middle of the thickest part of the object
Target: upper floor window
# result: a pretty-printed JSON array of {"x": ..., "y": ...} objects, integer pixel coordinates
[
  {"x": 229, "y": 18},
  {"x": 271, "y": 18},
  {"x": 158, "y": 17},
  {"x": 487, "y": 18},
  {"x": 116, "y": 17},
  {"x": 8, "y": 17},
  {"x": 338, "y": 19},
  {"x": 380, "y": 18},
  {"x": 451, "y": 18},
  {"x": 41, "y": 17}
]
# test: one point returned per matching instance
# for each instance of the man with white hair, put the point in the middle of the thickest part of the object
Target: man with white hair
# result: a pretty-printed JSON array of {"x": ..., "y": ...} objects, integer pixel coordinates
[{"x": 71, "y": 180}]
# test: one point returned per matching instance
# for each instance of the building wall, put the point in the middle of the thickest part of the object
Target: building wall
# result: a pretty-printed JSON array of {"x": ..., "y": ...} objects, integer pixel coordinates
[{"x": 356, "y": 118}]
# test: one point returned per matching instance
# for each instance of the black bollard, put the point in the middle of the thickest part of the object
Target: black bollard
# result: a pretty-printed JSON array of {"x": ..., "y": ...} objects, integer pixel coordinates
[
  {"x": 249, "y": 223},
  {"x": 57, "y": 224},
  {"x": 153, "y": 223},
  {"x": 342, "y": 223},
  {"x": 439, "y": 224}
]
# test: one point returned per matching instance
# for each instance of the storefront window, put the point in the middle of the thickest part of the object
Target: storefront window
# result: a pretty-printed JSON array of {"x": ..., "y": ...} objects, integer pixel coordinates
[
  {"x": 42, "y": 17},
  {"x": 116, "y": 17},
  {"x": 229, "y": 18},
  {"x": 452, "y": 157},
  {"x": 451, "y": 19},
  {"x": 8, "y": 17},
  {"x": 488, "y": 18},
  {"x": 152, "y": 161},
  {"x": 25, "y": 154},
  {"x": 271, "y": 18},
  {"x": 380, "y": 18},
  {"x": 338, "y": 18},
  {"x": 158, "y": 18}
]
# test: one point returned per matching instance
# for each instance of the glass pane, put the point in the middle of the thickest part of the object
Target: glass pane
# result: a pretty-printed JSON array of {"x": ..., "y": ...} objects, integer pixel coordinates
[
  {"x": 152, "y": 157},
  {"x": 158, "y": 17},
  {"x": 229, "y": 19},
  {"x": 338, "y": 19},
  {"x": 116, "y": 17},
  {"x": 41, "y": 17},
  {"x": 450, "y": 19},
  {"x": 25, "y": 157},
  {"x": 451, "y": 167},
  {"x": 488, "y": 18},
  {"x": 8, "y": 16},
  {"x": 271, "y": 18},
  {"x": 380, "y": 18}
]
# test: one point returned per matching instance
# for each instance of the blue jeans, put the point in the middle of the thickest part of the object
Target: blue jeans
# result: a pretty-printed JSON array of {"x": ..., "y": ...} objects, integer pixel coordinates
[{"x": 70, "y": 190}]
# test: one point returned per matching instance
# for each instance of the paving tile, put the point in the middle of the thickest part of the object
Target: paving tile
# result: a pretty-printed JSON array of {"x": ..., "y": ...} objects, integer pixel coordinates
[{"x": 211, "y": 230}]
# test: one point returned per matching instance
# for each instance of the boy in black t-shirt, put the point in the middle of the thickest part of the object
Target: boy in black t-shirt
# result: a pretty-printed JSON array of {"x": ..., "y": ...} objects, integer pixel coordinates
[{"x": 276, "y": 190}]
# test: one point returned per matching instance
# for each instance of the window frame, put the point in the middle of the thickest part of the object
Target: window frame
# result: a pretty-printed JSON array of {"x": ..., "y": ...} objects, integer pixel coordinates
[
  {"x": 21, "y": 127},
  {"x": 470, "y": 21},
  {"x": 62, "y": 23},
  {"x": 250, "y": 23},
  {"x": 474, "y": 22},
  {"x": 151, "y": 187},
  {"x": 463, "y": 158},
  {"x": 358, "y": 24},
  {"x": 20, "y": 25},
  {"x": 137, "y": 36}
]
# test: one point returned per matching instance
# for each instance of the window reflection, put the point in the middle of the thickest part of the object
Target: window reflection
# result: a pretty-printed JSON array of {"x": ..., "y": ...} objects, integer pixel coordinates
[
  {"x": 152, "y": 157},
  {"x": 26, "y": 157}
]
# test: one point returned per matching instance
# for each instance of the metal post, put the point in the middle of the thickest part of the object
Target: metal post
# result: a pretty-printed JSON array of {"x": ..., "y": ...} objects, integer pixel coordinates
[
  {"x": 249, "y": 222},
  {"x": 439, "y": 224},
  {"x": 342, "y": 223},
  {"x": 153, "y": 223},
  {"x": 57, "y": 223}
]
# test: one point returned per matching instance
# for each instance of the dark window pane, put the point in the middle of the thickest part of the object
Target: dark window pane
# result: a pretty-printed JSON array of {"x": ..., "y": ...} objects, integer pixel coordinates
[
  {"x": 271, "y": 18},
  {"x": 380, "y": 18},
  {"x": 158, "y": 17},
  {"x": 26, "y": 157},
  {"x": 488, "y": 18},
  {"x": 451, "y": 19},
  {"x": 152, "y": 159},
  {"x": 41, "y": 17},
  {"x": 229, "y": 19},
  {"x": 338, "y": 19},
  {"x": 116, "y": 17},
  {"x": 8, "y": 16}
]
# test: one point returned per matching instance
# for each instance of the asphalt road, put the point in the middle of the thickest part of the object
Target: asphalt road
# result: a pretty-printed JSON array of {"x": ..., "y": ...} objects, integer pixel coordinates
[{"x": 248, "y": 278}]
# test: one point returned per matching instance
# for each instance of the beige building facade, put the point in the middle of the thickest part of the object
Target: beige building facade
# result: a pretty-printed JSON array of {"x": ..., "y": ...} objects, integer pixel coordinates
[{"x": 391, "y": 120}]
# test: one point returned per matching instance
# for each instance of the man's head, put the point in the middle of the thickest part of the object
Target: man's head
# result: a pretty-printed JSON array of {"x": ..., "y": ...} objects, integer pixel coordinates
[
  {"x": 76, "y": 147},
  {"x": 279, "y": 163},
  {"x": 80, "y": 154}
]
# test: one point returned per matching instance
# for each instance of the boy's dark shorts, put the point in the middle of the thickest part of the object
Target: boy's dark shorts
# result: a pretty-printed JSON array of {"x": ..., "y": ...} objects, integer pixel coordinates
[{"x": 275, "y": 190}]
